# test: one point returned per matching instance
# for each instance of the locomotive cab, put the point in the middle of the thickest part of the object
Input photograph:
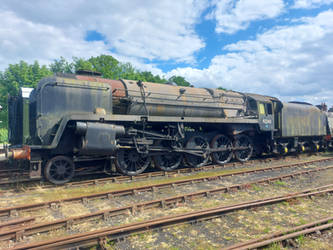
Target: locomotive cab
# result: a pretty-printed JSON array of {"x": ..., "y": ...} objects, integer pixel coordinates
[{"x": 263, "y": 108}]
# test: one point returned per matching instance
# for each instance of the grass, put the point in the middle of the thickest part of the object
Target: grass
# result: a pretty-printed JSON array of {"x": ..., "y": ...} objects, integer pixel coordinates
[
  {"x": 302, "y": 222},
  {"x": 300, "y": 239},
  {"x": 280, "y": 183},
  {"x": 62, "y": 193},
  {"x": 274, "y": 246},
  {"x": 257, "y": 188}
]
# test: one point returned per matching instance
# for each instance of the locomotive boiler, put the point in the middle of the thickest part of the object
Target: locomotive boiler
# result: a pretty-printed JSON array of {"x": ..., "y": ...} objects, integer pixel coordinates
[{"x": 70, "y": 119}]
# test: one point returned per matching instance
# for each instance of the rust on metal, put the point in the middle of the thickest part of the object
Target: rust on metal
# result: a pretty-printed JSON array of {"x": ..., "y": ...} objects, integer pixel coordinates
[
  {"x": 21, "y": 153},
  {"x": 287, "y": 234},
  {"x": 130, "y": 191},
  {"x": 90, "y": 237}
]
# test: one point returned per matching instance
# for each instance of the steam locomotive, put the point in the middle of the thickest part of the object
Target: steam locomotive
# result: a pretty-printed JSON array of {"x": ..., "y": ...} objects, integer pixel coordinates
[{"x": 71, "y": 119}]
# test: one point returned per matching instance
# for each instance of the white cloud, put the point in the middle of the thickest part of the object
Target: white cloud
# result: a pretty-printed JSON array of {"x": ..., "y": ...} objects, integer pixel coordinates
[
  {"x": 232, "y": 16},
  {"x": 310, "y": 4},
  {"x": 25, "y": 40},
  {"x": 155, "y": 30},
  {"x": 292, "y": 62}
]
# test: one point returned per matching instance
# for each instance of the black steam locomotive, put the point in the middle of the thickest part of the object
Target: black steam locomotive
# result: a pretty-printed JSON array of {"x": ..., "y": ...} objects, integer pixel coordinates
[{"x": 71, "y": 119}]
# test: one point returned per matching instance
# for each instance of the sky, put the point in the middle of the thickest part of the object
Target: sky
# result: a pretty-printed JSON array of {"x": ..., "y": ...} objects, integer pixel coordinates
[{"x": 281, "y": 48}]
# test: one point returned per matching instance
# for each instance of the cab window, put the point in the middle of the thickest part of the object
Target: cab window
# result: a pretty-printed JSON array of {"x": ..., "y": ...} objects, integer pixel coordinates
[
  {"x": 269, "y": 108},
  {"x": 262, "y": 109}
]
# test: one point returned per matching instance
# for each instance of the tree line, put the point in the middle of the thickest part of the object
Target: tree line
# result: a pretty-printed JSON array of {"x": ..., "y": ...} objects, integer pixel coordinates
[{"x": 23, "y": 74}]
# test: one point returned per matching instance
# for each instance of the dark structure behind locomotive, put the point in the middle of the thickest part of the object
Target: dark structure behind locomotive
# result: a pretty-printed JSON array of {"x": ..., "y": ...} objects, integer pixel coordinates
[
  {"x": 330, "y": 129},
  {"x": 18, "y": 117}
]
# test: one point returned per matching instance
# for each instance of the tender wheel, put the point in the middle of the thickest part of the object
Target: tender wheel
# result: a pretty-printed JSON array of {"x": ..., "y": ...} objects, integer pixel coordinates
[
  {"x": 59, "y": 170},
  {"x": 130, "y": 162},
  {"x": 243, "y": 154},
  {"x": 197, "y": 142},
  {"x": 315, "y": 147},
  {"x": 221, "y": 142},
  {"x": 167, "y": 161}
]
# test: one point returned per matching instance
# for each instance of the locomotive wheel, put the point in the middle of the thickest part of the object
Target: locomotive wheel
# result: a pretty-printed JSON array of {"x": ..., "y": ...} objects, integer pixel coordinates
[
  {"x": 197, "y": 142},
  {"x": 221, "y": 142},
  {"x": 167, "y": 161},
  {"x": 243, "y": 154},
  {"x": 59, "y": 170},
  {"x": 131, "y": 162}
]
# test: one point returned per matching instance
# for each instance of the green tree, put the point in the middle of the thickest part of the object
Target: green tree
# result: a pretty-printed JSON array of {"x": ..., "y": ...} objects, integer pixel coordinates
[
  {"x": 82, "y": 64},
  {"x": 180, "y": 81},
  {"x": 110, "y": 68},
  {"x": 126, "y": 71},
  {"x": 62, "y": 66},
  {"x": 16, "y": 76},
  {"x": 107, "y": 65}
]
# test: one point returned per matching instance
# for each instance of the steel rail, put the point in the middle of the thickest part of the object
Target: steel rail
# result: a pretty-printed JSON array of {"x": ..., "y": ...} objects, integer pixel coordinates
[
  {"x": 12, "y": 211},
  {"x": 162, "y": 203},
  {"x": 100, "y": 236},
  {"x": 143, "y": 176},
  {"x": 284, "y": 235},
  {"x": 121, "y": 179},
  {"x": 124, "y": 178},
  {"x": 20, "y": 221}
]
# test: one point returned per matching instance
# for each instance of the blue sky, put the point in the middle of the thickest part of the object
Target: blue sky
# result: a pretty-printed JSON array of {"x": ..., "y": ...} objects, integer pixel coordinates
[{"x": 281, "y": 48}]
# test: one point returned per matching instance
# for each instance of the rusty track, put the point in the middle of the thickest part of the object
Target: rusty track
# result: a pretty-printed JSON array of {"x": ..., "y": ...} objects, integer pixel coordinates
[
  {"x": 12, "y": 211},
  {"x": 99, "y": 236},
  {"x": 143, "y": 176},
  {"x": 6, "y": 178},
  {"x": 163, "y": 203},
  {"x": 312, "y": 227},
  {"x": 121, "y": 179},
  {"x": 18, "y": 222}
]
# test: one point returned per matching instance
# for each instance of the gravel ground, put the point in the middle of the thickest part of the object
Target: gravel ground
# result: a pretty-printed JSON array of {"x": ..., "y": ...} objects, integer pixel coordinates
[
  {"x": 229, "y": 229},
  {"x": 67, "y": 210},
  {"x": 244, "y": 225},
  {"x": 206, "y": 235},
  {"x": 41, "y": 194}
]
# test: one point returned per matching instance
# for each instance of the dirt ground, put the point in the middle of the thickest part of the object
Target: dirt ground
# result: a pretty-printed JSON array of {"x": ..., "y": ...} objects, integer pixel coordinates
[{"x": 226, "y": 230}]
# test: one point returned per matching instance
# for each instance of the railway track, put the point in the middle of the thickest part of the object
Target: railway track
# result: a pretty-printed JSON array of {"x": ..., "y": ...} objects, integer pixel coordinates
[
  {"x": 12, "y": 211},
  {"x": 6, "y": 178},
  {"x": 100, "y": 237},
  {"x": 164, "y": 203},
  {"x": 291, "y": 233},
  {"x": 151, "y": 175},
  {"x": 144, "y": 176}
]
